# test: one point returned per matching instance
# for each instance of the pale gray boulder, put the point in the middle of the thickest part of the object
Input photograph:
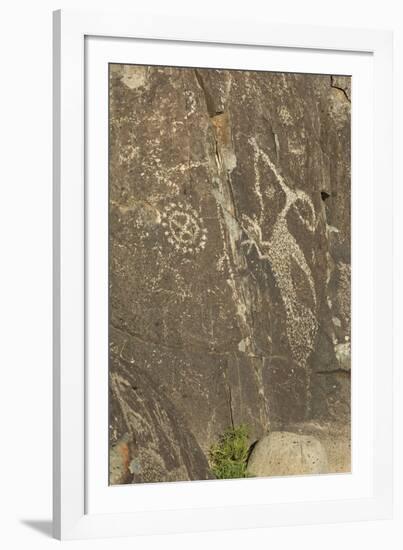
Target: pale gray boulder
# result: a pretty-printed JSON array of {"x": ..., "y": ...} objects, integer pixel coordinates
[{"x": 287, "y": 453}]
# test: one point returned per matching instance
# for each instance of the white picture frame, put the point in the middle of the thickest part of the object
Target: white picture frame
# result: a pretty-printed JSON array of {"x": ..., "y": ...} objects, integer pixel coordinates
[{"x": 84, "y": 506}]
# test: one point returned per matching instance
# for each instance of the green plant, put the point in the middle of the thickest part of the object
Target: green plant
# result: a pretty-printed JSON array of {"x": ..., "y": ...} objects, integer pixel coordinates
[{"x": 228, "y": 457}]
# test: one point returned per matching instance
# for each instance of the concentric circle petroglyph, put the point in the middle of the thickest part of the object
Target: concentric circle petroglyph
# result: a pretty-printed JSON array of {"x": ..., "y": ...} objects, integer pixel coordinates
[{"x": 184, "y": 228}]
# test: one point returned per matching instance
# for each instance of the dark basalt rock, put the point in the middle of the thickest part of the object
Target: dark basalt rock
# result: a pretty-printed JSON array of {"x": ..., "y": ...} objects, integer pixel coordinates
[
  {"x": 229, "y": 261},
  {"x": 149, "y": 440}
]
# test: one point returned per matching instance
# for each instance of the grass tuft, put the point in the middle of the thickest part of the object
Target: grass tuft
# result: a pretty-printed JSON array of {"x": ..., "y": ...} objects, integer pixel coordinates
[{"x": 228, "y": 457}]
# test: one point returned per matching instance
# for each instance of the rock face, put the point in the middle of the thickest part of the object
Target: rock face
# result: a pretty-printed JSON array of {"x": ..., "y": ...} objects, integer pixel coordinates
[
  {"x": 285, "y": 454},
  {"x": 150, "y": 443},
  {"x": 229, "y": 215}
]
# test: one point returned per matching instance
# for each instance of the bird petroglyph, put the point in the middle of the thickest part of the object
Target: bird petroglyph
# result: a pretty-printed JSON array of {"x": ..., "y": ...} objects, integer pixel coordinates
[{"x": 282, "y": 250}]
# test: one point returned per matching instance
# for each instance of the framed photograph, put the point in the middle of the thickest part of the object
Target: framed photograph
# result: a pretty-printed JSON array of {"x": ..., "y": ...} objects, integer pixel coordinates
[{"x": 222, "y": 274}]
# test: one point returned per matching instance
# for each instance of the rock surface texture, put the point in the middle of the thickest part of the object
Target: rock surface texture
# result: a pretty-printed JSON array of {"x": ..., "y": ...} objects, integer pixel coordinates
[
  {"x": 229, "y": 265},
  {"x": 285, "y": 454}
]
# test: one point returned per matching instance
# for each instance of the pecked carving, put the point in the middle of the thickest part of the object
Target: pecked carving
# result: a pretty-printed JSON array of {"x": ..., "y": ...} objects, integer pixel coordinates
[{"x": 229, "y": 265}]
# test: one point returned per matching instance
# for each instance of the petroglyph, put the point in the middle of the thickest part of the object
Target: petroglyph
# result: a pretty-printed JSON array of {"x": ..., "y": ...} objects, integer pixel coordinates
[
  {"x": 344, "y": 297},
  {"x": 184, "y": 228},
  {"x": 229, "y": 265},
  {"x": 283, "y": 253}
]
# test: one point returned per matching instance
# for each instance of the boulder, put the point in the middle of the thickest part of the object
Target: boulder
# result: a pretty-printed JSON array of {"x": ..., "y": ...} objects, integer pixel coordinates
[{"x": 287, "y": 453}]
